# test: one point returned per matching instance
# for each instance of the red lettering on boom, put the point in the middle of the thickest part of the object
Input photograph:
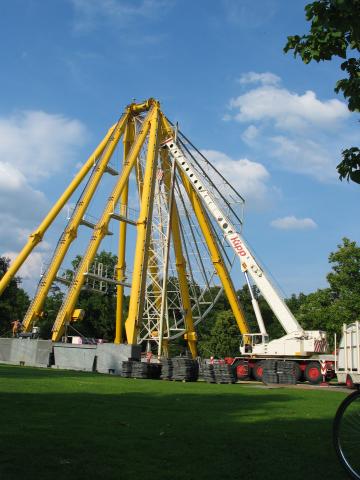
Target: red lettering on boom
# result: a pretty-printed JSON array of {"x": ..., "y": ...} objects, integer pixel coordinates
[{"x": 238, "y": 245}]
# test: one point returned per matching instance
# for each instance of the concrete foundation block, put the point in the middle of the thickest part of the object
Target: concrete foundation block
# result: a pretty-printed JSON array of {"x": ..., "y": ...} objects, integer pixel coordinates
[
  {"x": 25, "y": 351},
  {"x": 110, "y": 356},
  {"x": 75, "y": 357},
  {"x": 5, "y": 349}
]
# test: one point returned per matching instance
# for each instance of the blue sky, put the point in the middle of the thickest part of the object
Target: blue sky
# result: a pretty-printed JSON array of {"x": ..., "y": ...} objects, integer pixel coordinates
[{"x": 69, "y": 67}]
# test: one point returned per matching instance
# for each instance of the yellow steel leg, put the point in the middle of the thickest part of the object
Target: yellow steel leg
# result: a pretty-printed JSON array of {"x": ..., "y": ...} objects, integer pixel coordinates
[
  {"x": 70, "y": 232},
  {"x": 37, "y": 236},
  {"x": 101, "y": 229},
  {"x": 153, "y": 269},
  {"x": 216, "y": 257},
  {"x": 121, "y": 266},
  {"x": 143, "y": 237}
]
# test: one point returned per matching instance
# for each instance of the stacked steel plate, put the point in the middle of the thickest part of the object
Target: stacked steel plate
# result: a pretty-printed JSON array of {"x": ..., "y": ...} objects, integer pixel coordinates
[
  {"x": 207, "y": 373},
  {"x": 283, "y": 372},
  {"x": 286, "y": 372},
  {"x": 270, "y": 373},
  {"x": 126, "y": 369},
  {"x": 223, "y": 373},
  {"x": 179, "y": 368},
  {"x": 185, "y": 369},
  {"x": 218, "y": 373},
  {"x": 140, "y": 370},
  {"x": 135, "y": 369},
  {"x": 167, "y": 369}
]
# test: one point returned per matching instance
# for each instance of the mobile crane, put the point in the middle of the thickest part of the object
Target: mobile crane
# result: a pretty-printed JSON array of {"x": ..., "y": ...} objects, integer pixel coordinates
[{"x": 303, "y": 347}]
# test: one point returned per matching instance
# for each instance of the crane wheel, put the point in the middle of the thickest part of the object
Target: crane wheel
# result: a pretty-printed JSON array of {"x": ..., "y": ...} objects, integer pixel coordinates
[
  {"x": 242, "y": 370},
  {"x": 313, "y": 373},
  {"x": 258, "y": 371}
]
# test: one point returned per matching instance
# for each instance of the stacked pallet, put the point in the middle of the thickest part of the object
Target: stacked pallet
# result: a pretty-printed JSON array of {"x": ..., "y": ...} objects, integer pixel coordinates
[
  {"x": 270, "y": 373},
  {"x": 135, "y": 369},
  {"x": 126, "y": 369},
  {"x": 218, "y": 373},
  {"x": 286, "y": 372},
  {"x": 283, "y": 372},
  {"x": 179, "y": 368},
  {"x": 185, "y": 369},
  {"x": 207, "y": 373},
  {"x": 167, "y": 369},
  {"x": 224, "y": 373}
]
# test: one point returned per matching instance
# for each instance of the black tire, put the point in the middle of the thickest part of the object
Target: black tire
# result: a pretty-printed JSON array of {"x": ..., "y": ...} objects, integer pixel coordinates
[
  {"x": 310, "y": 375},
  {"x": 258, "y": 371},
  {"x": 346, "y": 434}
]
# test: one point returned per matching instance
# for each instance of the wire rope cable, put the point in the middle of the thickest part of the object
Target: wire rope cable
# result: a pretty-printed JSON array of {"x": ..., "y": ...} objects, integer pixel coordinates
[{"x": 346, "y": 434}]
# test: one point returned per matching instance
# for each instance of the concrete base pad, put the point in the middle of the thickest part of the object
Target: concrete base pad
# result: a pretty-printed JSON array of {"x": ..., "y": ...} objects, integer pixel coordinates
[
  {"x": 25, "y": 351},
  {"x": 103, "y": 357},
  {"x": 110, "y": 356},
  {"x": 75, "y": 357}
]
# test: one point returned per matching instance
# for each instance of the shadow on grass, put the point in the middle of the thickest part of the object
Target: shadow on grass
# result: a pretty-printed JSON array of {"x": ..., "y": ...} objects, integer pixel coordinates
[{"x": 164, "y": 430}]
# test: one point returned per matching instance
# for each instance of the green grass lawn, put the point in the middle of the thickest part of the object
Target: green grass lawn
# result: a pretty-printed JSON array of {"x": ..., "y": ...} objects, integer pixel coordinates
[{"x": 68, "y": 425}]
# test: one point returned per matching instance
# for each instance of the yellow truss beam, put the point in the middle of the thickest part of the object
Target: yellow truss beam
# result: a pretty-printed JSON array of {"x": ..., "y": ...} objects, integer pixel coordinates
[
  {"x": 121, "y": 265},
  {"x": 152, "y": 267},
  {"x": 71, "y": 229},
  {"x": 143, "y": 236},
  {"x": 101, "y": 229}
]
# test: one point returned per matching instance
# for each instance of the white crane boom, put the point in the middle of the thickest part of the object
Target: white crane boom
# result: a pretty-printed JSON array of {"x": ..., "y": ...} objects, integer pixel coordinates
[{"x": 247, "y": 260}]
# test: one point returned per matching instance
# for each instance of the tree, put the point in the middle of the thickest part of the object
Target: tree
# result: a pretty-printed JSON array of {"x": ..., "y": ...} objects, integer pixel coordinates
[
  {"x": 224, "y": 338},
  {"x": 13, "y": 302},
  {"x": 327, "y": 309},
  {"x": 335, "y": 32}
]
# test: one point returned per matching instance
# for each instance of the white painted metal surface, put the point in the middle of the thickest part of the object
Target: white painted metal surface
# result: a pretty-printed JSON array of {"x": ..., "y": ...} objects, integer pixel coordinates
[{"x": 347, "y": 356}]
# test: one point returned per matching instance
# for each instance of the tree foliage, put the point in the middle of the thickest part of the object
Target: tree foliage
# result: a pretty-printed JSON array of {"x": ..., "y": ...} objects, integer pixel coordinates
[
  {"x": 223, "y": 339},
  {"x": 13, "y": 302},
  {"x": 335, "y": 32}
]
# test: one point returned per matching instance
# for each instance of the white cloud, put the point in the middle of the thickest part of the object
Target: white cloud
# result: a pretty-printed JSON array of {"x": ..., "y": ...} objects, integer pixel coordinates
[
  {"x": 249, "y": 178},
  {"x": 289, "y": 111},
  {"x": 266, "y": 78},
  {"x": 303, "y": 155},
  {"x": 250, "y": 134},
  {"x": 32, "y": 267},
  {"x": 297, "y": 132},
  {"x": 293, "y": 223},
  {"x": 39, "y": 144},
  {"x": 34, "y": 146}
]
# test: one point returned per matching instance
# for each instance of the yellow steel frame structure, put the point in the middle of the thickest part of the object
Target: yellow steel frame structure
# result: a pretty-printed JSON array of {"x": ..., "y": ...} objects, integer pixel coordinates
[
  {"x": 101, "y": 229},
  {"x": 156, "y": 128},
  {"x": 70, "y": 232},
  {"x": 143, "y": 236}
]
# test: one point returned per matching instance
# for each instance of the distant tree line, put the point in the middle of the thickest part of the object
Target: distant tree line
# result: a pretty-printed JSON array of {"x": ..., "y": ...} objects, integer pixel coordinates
[{"x": 325, "y": 309}]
